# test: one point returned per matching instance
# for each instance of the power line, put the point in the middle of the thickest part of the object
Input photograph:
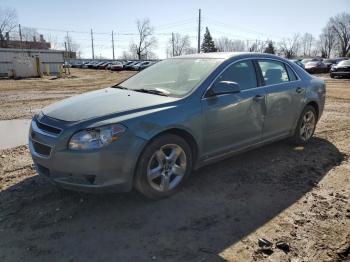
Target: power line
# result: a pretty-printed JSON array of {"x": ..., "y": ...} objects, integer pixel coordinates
[{"x": 241, "y": 28}]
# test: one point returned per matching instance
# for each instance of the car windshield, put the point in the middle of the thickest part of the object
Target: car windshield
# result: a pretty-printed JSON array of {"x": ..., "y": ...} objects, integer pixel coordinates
[
  {"x": 173, "y": 77},
  {"x": 313, "y": 63},
  {"x": 328, "y": 61},
  {"x": 304, "y": 61},
  {"x": 344, "y": 63}
]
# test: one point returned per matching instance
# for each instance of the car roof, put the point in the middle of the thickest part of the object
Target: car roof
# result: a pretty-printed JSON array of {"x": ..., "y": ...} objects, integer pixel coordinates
[{"x": 227, "y": 55}]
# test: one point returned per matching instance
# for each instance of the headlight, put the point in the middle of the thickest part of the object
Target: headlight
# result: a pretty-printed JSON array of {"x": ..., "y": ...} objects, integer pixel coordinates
[{"x": 96, "y": 137}]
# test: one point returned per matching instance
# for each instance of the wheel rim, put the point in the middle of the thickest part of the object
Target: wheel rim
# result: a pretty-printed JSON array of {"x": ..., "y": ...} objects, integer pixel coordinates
[
  {"x": 167, "y": 167},
  {"x": 307, "y": 125}
]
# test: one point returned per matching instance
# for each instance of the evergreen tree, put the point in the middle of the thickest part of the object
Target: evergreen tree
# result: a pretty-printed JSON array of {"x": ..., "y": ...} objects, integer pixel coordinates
[
  {"x": 270, "y": 49},
  {"x": 208, "y": 43}
]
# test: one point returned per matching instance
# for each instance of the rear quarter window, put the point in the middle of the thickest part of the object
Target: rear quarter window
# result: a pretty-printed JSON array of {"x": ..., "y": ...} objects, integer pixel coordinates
[{"x": 291, "y": 74}]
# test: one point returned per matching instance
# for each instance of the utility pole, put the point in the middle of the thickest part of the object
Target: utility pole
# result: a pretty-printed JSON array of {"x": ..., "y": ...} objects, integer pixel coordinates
[
  {"x": 68, "y": 43},
  {"x": 172, "y": 40},
  {"x": 113, "y": 43},
  {"x": 92, "y": 45},
  {"x": 199, "y": 30},
  {"x": 65, "y": 57},
  {"x": 20, "y": 34}
]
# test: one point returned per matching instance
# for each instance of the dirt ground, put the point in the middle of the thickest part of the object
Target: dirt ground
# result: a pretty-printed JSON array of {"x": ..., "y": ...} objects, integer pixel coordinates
[
  {"x": 278, "y": 192},
  {"x": 23, "y": 98}
]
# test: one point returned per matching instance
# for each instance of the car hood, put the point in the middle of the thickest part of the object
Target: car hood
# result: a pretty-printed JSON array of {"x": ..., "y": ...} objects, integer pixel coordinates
[{"x": 103, "y": 102}]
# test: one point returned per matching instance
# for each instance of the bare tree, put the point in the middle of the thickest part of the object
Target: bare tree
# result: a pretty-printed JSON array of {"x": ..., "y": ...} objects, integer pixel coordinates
[
  {"x": 52, "y": 39},
  {"x": 146, "y": 41},
  {"x": 132, "y": 54},
  {"x": 307, "y": 41},
  {"x": 128, "y": 55},
  {"x": 8, "y": 20},
  {"x": 341, "y": 26},
  {"x": 327, "y": 41},
  {"x": 72, "y": 46},
  {"x": 29, "y": 34},
  {"x": 178, "y": 45},
  {"x": 256, "y": 46},
  {"x": 290, "y": 47},
  {"x": 225, "y": 44}
]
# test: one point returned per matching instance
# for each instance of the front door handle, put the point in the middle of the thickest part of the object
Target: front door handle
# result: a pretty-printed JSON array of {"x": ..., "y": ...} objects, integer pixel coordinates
[
  {"x": 299, "y": 90},
  {"x": 258, "y": 98}
]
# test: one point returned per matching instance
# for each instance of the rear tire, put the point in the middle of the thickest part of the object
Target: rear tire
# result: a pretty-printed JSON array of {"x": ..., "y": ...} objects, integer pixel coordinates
[
  {"x": 163, "y": 167},
  {"x": 306, "y": 126}
]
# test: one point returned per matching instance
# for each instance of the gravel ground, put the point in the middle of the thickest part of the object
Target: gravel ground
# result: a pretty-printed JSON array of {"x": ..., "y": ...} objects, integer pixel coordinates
[{"x": 279, "y": 192}]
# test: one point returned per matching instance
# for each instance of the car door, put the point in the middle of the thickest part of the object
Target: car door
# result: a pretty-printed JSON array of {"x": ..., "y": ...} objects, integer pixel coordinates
[
  {"x": 233, "y": 121},
  {"x": 284, "y": 98}
]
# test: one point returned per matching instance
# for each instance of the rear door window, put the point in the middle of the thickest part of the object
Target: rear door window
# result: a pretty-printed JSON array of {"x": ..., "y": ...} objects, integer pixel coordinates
[{"x": 274, "y": 72}]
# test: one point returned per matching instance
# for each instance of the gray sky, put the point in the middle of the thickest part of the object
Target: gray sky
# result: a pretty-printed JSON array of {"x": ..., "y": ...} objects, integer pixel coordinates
[{"x": 254, "y": 19}]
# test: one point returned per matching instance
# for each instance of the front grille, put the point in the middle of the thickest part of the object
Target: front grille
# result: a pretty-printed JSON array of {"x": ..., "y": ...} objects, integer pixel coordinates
[
  {"x": 47, "y": 128},
  {"x": 343, "y": 69},
  {"x": 41, "y": 149}
]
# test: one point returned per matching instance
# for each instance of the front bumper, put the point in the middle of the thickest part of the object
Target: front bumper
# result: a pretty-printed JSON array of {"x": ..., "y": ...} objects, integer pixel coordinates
[
  {"x": 109, "y": 169},
  {"x": 344, "y": 74}
]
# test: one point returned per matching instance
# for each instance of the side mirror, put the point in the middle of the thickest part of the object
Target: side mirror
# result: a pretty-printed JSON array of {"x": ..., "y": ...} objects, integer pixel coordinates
[{"x": 224, "y": 87}]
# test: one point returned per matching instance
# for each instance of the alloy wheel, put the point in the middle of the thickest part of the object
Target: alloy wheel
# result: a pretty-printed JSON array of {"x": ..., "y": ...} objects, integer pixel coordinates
[
  {"x": 167, "y": 167},
  {"x": 307, "y": 126}
]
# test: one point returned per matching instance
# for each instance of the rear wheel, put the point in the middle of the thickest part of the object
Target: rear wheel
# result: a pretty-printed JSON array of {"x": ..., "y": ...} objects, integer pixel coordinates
[
  {"x": 163, "y": 167},
  {"x": 306, "y": 126}
]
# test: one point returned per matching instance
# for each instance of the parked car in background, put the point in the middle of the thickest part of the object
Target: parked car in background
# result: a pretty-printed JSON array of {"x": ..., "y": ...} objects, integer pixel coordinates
[
  {"x": 96, "y": 66},
  {"x": 116, "y": 66},
  {"x": 66, "y": 65},
  {"x": 307, "y": 60},
  {"x": 153, "y": 129},
  {"x": 298, "y": 62},
  {"x": 130, "y": 65},
  {"x": 342, "y": 69},
  {"x": 316, "y": 67},
  {"x": 85, "y": 64},
  {"x": 76, "y": 64},
  {"x": 104, "y": 65},
  {"x": 92, "y": 64},
  {"x": 338, "y": 60},
  {"x": 127, "y": 63},
  {"x": 142, "y": 65},
  {"x": 329, "y": 62}
]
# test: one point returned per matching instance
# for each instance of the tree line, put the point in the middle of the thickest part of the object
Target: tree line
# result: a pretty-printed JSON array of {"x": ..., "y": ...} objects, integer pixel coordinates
[{"x": 333, "y": 41}]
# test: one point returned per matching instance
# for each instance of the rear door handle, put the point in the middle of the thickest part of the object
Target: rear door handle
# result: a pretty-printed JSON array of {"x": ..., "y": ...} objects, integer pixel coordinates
[
  {"x": 258, "y": 98},
  {"x": 299, "y": 90}
]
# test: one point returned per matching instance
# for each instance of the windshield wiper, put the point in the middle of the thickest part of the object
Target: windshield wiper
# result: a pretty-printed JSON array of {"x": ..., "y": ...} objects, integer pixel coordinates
[
  {"x": 151, "y": 91},
  {"x": 120, "y": 87}
]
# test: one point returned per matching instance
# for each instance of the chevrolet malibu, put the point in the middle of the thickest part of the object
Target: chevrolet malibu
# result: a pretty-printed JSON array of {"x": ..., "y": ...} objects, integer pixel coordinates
[{"x": 150, "y": 131}]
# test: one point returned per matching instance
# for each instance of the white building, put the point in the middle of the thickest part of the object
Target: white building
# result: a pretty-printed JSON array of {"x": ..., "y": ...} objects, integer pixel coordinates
[{"x": 30, "y": 62}]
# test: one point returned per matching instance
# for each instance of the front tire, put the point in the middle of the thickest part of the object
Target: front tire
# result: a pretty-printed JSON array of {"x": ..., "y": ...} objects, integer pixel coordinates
[
  {"x": 163, "y": 167},
  {"x": 306, "y": 126}
]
